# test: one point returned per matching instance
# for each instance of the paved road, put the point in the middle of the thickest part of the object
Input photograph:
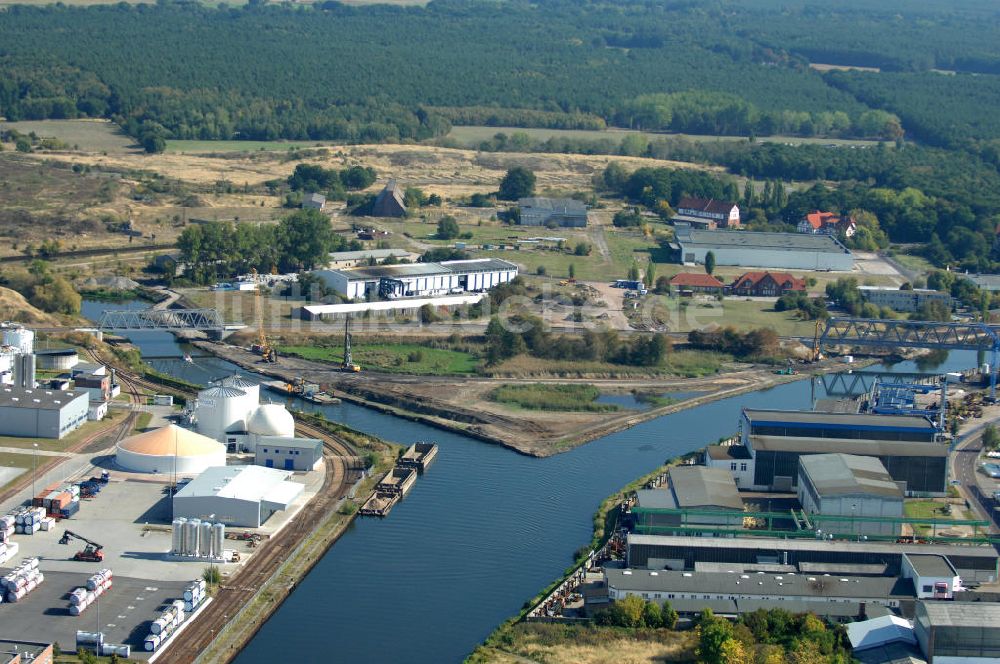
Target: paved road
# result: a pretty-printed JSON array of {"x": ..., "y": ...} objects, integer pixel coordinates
[{"x": 963, "y": 462}]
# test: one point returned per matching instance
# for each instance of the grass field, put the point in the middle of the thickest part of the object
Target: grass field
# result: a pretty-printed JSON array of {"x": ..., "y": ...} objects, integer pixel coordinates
[
  {"x": 396, "y": 358},
  {"x": 741, "y": 314},
  {"x": 88, "y": 135},
  {"x": 552, "y": 397},
  {"x": 915, "y": 263},
  {"x": 925, "y": 509},
  {"x": 241, "y": 146},
  {"x": 472, "y": 136},
  {"x": 684, "y": 363}
]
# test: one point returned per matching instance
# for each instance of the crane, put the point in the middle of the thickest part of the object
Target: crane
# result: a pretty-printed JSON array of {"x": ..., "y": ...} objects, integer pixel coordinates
[
  {"x": 815, "y": 355},
  {"x": 262, "y": 346},
  {"x": 92, "y": 553},
  {"x": 348, "y": 364}
]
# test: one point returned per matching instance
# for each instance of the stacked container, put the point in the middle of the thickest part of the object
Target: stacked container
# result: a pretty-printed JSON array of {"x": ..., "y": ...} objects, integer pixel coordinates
[
  {"x": 22, "y": 580},
  {"x": 29, "y": 521},
  {"x": 179, "y": 610},
  {"x": 194, "y": 595},
  {"x": 8, "y": 550},
  {"x": 7, "y": 527},
  {"x": 97, "y": 585}
]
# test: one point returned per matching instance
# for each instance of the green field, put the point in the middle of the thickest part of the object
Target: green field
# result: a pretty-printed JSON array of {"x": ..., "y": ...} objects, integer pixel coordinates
[
  {"x": 472, "y": 136},
  {"x": 740, "y": 314},
  {"x": 88, "y": 135},
  {"x": 541, "y": 396},
  {"x": 925, "y": 509},
  {"x": 393, "y": 358}
]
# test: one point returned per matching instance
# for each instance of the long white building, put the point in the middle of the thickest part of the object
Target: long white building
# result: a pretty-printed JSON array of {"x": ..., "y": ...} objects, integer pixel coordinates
[{"x": 420, "y": 279}]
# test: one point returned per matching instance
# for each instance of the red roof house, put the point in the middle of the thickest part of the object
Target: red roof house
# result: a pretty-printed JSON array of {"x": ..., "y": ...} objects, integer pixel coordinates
[
  {"x": 766, "y": 284},
  {"x": 695, "y": 281},
  {"x": 827, "y": 222}
]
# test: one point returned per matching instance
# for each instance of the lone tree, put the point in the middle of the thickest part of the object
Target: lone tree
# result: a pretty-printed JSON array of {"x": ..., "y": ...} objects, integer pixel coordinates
[
  {"x": 447, "y": 228},
  {"x": 518, "y": 183},
  {"x": 304, "y": 239},
  {"x": 710, "y": 262}
]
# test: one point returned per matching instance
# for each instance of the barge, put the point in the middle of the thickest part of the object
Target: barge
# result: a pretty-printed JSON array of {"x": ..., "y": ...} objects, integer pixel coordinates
[
  {"x": 310, "y": 393},
  {"x": 398, "y": 481},
  {"x": 379, "y": 504},
  {"x": 419, "y": 456}
]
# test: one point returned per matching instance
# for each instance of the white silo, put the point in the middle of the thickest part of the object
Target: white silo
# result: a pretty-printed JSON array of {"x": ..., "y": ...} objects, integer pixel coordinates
[
  {"x": 192, "y": 527},
  {"x": 221, "y": 409},
  {"x": 15, "y": 334},
  {"x": 178, "y": 539},
  {"x": 252, "y": 399},
  {"x": 218, "y": 539},
  {"x": 205, "y": 539}
]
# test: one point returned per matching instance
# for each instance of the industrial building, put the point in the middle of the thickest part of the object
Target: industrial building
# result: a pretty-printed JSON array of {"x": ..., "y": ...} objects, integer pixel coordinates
[
  {"x": 57, "y": 359},
  {"x": 933, "y": 576},
  {"x": 419, "y": 279},
  {"x": 816, "y": 592},
  {"x": 553, "y": 212},
  {"x": 384, "y": 310},
  {"x": 975, "y": 564},
  {"x": 958, "y": 632},
  {"x": 243, "y": 496},
  {"x": 301, "y": 454},
  {"x": 230, "y": 412},
  {"x": 41, "y": 413},
  {"x": 697, "y": 490},
  {"x": 25, "y": 652},
  {"x": 909, "y": 301},
  {"x": 851, "y": 486},
  {"x": 707, "y": 213},
  {"x": 339, "y": 259},
  {"x": 810, "y": 424},
  {"x": 768, "y": 250},
  {"x": 170, "y": 449}
]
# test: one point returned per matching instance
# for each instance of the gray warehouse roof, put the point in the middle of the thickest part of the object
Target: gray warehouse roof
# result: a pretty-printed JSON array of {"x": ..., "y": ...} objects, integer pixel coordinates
[
  {"x": 848, "y": 475},
  {"x": 693, "y": 237},
  {"x": 862, "y": 446},
  {"x": 556, "y": 204},
  {"x": 926, "y": 564},
  {"x": 426, "y": 269},
  {"x": 367, "y": 253},
  {"x": 845, "y": 419},
  {"x": 12, "y": 397},
  {"x": 962, "y": 614},
  {"x": 699, "y": 486}
]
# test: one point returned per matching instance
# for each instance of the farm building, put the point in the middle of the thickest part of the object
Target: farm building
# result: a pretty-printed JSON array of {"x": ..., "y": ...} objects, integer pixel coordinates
[
  {"x": 314, "y": 201},
  {"x": 41, "y": 413},
  {"x": 243, "y": 496},
  {"x": 769, "y": 250},
  {"x": 390, "y": 202},
  {"x": 694, "y": 282},
  {"x": 563, "y": 212},
  {"x": 904, "y": 300},
  {"x": 707, "y": 213},
  {"x": 419, "y": 279},
  {"x": 850, "y": 486}
]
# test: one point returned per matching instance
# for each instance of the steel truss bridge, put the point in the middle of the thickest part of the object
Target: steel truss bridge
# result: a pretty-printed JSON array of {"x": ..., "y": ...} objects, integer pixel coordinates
[
  {"x": 851, "y": 384},
  {"x": 916, "y": 334},
  {"x": 171, "y": 320}
]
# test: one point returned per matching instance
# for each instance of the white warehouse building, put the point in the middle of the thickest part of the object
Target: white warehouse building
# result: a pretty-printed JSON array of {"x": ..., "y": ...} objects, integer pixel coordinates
[
  {"x": 795, "y": 251},
  {"x": 419, "y": 279},
  {"x": 242, "y": 496}
]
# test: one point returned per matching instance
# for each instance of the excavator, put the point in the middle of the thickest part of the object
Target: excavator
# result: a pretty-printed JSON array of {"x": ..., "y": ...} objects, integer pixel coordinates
[
  {"x": 267, "y": 353},
  {"x": 348, "y": 363},
  {"x": 92, "y": 553}
]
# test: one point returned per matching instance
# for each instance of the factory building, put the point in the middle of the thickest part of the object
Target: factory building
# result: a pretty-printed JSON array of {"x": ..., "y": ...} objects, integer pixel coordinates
[
  {"x": 810, "y": 424},
  {"x": 767, "y": 250},
  {"x": 553, "y": 212},
  {"x": 909, "y": 301},
  {"x": 697, "y": 490},
  {"x": 301, "y": 454},
  {"x": 170, "y": 450},
  {"x": 816, "y": 592},
  {"x": 419, "y": 279},
  {"x": 242, "y": 496},
  {"x": 933, "y": 576},
  {"x": 852, "y": 486},
  {"x": 340, "y": 259},
  {"x": 230, "y": 412},
  {"x": 41, "y": 413},
  {"x": 958, "y": 632},
  {"x": 975, "y": 564}
]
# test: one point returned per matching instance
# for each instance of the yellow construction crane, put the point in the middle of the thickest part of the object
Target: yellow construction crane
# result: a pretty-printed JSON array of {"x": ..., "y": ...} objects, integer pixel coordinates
[
  {"x": 262, "y": 346},
  {"x": 815, "y": 355}
]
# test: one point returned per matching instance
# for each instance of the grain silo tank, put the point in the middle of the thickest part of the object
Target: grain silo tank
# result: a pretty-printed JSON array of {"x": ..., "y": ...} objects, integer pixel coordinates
[
  {"x": 15, "y": 334},
  {"x": 178, "y": 535},
  {"x": 205, "y": 539},
  {"x": 192, "y": 527},
  {"x": 218, "y": 539},
  {"x": 252, "y": 399},
  {"x": 221, "y": 409},
  {"x": 271, "y": 419}
]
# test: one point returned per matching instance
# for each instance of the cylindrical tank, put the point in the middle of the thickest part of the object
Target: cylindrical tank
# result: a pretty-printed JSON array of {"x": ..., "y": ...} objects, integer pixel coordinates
[
  {"x": 218, "y": 539},
  {"x": 151, "y": 643},
  {"x": 108, "y": 649},
  {"x": 985, "y": 369},
  {"x": 89, "y": 638},
  {"x": 205, "y": 540},
  {"x": 157, "y": 625},
  {"x": 251, "y": 389},
  {"x": 178, "y": 535},
  {"x": 220, "y": 409},
  {"x": 191, "y": 528},
  {"x": 271, "y": 419},
  {"x": 14, "y": 334}
]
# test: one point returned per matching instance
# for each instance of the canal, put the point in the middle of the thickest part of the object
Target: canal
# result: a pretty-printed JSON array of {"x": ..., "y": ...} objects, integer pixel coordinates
[{"x": 482, "y": 531}]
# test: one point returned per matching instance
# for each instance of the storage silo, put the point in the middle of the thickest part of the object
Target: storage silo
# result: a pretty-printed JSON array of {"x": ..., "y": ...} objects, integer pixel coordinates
[
  {"x": 218, "y": 539},
  {"x": 205, "y": 539},
  {"x": 192, "y": 527},
  {"x": 270, "y": 419},
  {"x": 221, "y": 409},
  {"x": 15, "y": 334},
  {"x": 252, "y": 399},
  {"x": 178, "y": 539}
]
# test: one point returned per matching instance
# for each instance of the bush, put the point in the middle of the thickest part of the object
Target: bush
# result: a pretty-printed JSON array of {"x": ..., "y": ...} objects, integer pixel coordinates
[{"x": 212, "y": 575}]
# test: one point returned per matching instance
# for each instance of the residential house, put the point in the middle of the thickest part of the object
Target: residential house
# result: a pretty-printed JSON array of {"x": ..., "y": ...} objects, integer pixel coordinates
[
  {"x": 827, "y": 222},
  {"x": 390, "y": 202},
  {"x": 707, "y": 213},
  {"x": 766, "y": 284},
  {"x": 694, "y": 282}
]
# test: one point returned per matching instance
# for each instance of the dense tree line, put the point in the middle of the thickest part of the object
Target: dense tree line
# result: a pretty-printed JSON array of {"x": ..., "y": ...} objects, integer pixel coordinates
[
  {"x": 654, "y": 187},
  {"x": 760, "y": 343},
  {"x": 221, "y": 250}
]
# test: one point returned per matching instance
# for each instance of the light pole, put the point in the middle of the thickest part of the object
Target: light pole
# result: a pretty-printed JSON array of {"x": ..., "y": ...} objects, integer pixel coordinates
[{"x": 34, "y": 466}]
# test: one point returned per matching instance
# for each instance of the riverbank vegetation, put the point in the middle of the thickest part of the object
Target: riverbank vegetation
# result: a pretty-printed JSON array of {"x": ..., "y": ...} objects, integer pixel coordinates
[
  {"x": 544, "y": 396},
  {"x": 393, "y": 357}
]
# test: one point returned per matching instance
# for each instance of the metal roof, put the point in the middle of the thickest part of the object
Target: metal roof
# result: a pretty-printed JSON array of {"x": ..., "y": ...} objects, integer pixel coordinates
[
  {"x": 774, "y": 585},
  {"x": 694, "y": 237},
  {"x": 220, "y": 391},
  {"x": 928, "y": 564},
  {"x": 699, "y": 486},
  {"x": 13, "y": 397},
  {"x": 252, "y": 483},
  {"x": 564, "y": 205},
  {"x": 292, "y": 443},
  {"x": 336, "y": 256},
  {"x": 961, "y": 614},
  {"x": 725, "y": 452},
  {"x": 425, "y": 269},
  {"x": 880, "y": 631},
  {"x": 848, "y": 475},
  {"x": 393, "y": 305},
  {"x": 861, "y": 446},
  {"x": 828, "y": 420}
]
